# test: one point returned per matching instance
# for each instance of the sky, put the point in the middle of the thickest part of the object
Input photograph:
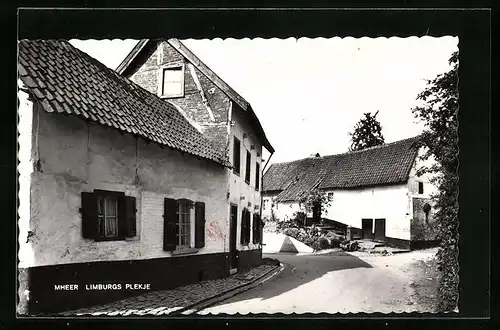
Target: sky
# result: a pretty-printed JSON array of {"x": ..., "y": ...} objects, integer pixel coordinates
[{"x": 309, "y": 93}]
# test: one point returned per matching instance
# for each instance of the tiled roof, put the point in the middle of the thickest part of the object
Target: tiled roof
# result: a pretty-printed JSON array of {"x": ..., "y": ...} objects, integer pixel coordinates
[
  {"x": 382, "y": 165},
  {"x": 66, "y": 80},
  {"x": 280, "y": 175},
  {"x": 308, "y": 179}
]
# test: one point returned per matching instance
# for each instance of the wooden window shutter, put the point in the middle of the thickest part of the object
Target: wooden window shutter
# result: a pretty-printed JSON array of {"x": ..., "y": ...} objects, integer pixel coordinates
[
  {"x": 243, "y": 225},
  {"x": 248, "y": 227},
  {"x": 247, "y": 168},
  {"x": 169, "y": 224},
  {"x": 127, "y": 219},
  {"x": 199, "y": 229},
  {"x": 236, "y": 155},
  {"x": 89, "y": 215},
  {"x": 255, "y": 228},
  {"x": 257, "y": 176}
]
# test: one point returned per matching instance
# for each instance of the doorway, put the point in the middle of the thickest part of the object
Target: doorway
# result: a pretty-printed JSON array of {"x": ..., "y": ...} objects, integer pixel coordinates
[
  {"x": 233, "y": 225},
  {"x": 380, "y": 230},
  {"x": 367, "y": 228}
]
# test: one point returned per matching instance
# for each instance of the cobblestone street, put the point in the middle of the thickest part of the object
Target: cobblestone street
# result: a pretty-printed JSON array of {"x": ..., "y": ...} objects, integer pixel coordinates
[{"x": 168, "y": 301}]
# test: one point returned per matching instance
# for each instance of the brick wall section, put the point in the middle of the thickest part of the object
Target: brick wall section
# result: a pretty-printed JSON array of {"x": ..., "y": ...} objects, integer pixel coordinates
[
  {"x": 194, "y": 107},
  {"x": 420, "y": 228}
]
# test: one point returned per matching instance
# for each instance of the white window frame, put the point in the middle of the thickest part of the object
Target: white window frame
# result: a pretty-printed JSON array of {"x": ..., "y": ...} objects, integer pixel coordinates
[
  {"x": 161, "y": 76},
  {"x": 328, "y": 194},
  {"x": 187, "y": 210}
]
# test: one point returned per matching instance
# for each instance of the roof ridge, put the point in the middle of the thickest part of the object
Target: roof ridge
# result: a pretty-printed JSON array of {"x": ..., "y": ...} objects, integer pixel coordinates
[{"x": 349, "y": 152}]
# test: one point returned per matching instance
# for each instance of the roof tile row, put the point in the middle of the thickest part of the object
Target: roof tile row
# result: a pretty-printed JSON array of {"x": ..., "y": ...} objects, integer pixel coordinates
[
  {"x": 383, "y": 165},
  {"x": 66, "y": 80}
]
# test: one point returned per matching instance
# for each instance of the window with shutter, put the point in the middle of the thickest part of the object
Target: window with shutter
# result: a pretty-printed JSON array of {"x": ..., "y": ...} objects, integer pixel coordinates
[
  {"x": 236, "y": 155},
  {"x": 199, "y": 233},
  {"x": 108, "y": 215}
]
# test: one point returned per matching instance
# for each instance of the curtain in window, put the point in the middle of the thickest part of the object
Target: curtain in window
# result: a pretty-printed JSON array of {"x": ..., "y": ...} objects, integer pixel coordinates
[{"x": 107, "y": 210}]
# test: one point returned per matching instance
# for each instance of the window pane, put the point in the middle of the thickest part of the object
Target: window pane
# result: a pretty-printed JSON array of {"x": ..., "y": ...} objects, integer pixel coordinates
[
  {"x": 173, "y": 82},
  {"x": 111, "y": 226},
  {"x": 110, "y": 216},
  {"x": 111, "y": 207},
  {"x": 172, "y": 74},
  {"x": 172, "y": 88}
]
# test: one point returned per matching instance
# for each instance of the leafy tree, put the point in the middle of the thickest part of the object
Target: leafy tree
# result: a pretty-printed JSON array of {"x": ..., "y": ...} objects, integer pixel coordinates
[
  {"x": 367, "y": 133},
  {"x": 439, "y": 113}
]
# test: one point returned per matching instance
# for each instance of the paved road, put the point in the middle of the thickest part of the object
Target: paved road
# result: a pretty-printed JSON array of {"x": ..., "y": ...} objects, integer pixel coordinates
[{"x": 336, "y": 282}]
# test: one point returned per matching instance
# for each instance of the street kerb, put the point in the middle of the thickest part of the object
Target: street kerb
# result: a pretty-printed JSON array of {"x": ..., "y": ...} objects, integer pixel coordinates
[{"x": 207, "y": 302}]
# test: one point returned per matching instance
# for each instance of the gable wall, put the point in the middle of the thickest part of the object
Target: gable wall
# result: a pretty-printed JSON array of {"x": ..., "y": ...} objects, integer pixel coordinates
[{"x": 204, "y": 104}]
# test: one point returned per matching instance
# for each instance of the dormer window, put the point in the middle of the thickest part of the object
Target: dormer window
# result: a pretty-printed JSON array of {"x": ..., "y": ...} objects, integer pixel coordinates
[{"x": 172, "y": 81}]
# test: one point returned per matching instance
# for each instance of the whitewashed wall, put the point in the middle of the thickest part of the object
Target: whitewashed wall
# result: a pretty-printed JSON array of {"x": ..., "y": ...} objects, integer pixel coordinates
[
  {"x": 241, "y": 193},
  {"x": 76, "y": 156},
  {"x": 391, "y": 203},
  {"x": 25, "y": 168},
  {"x": 429, "y": 188}
]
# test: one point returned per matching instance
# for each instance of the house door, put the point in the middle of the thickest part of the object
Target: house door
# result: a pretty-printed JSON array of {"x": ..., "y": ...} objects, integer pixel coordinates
[
  {"x": 367, "y": 228},
  {"x": 316, "y": 213},
  {"x": 233, "y": 253},
  {"x": 380, "y": 229}
]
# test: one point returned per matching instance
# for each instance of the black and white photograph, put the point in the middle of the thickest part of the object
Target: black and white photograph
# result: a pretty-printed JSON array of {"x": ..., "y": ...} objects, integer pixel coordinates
[{"x": 177, "y": 176}]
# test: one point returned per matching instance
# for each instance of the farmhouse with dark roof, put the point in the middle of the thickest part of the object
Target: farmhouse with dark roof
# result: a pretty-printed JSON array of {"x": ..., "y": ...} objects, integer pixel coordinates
[{"x": 375, "y": 191}]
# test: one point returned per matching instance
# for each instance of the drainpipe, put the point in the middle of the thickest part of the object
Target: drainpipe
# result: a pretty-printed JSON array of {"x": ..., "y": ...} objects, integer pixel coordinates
[{"x": 261, "y": 186}]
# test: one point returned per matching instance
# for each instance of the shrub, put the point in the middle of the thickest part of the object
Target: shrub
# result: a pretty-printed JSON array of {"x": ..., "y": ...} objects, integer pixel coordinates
[
  {"x": 292, "y": 232},
  {"x": 309, "y": 240},
  {"x": 321, "y": 243}
]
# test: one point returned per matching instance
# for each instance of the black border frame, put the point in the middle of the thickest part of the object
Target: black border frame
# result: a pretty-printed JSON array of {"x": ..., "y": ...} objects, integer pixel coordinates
[{"x": 472, "y": 26}]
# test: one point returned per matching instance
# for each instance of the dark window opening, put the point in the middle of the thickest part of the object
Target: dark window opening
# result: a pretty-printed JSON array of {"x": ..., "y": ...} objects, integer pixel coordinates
[
  {"x": 249, "y": 163},
  {"x": 257, "y": 176},
  {"x": 420, "y": 187},
  {"x": 236, "y": 156}
]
